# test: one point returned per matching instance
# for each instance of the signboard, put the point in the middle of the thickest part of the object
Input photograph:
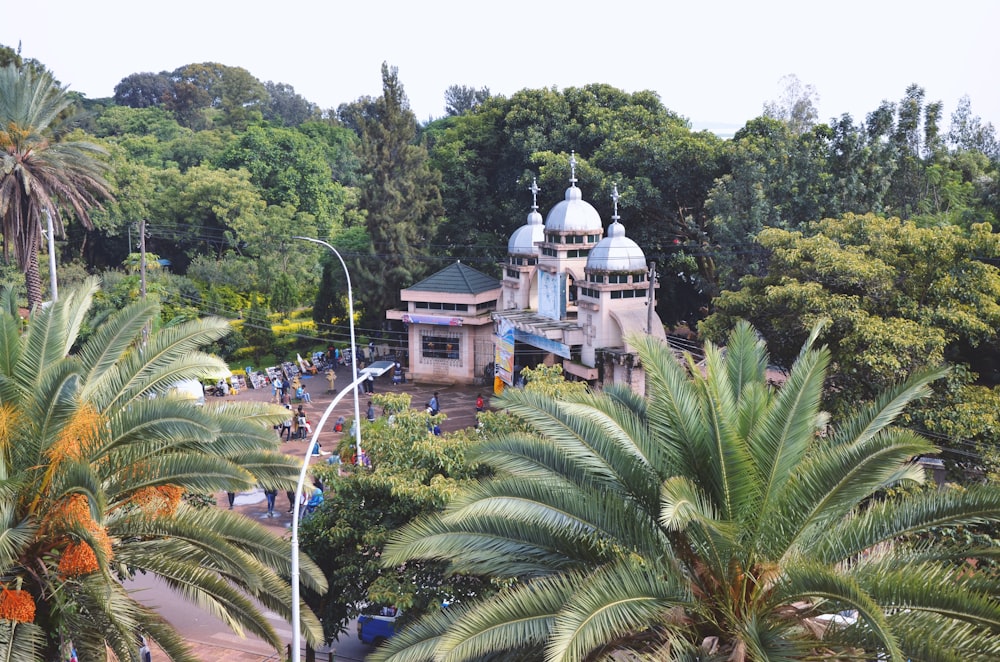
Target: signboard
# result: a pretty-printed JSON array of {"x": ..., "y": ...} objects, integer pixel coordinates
[
  {"x": 543, "y": 343},
  {"x": 503, "y": 351},
  {"x": 410, "y": 318}
]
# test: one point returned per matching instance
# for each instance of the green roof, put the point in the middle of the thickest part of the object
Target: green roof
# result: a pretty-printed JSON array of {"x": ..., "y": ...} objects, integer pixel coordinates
[{"x": 457, "y": 279}]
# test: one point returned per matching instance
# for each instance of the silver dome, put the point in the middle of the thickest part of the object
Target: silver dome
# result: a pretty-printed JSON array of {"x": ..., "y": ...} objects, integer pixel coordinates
[
  {"x": 573, "y": 215},
  {"x": 616, "y": 252},
  {"x": 525, "y": 238}
]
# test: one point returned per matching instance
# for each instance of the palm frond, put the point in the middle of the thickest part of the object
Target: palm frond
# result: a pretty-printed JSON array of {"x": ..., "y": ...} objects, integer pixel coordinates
[
  {"x": 613, "y": 604},
  {"x": 788, "y": 429},
  {"x": 834, "y": 480},
  {"x": 810, "y": 582},
  {"x": 891, "y": 519},
  {"x": 871, "y": 419},
  {"x": 728, "y": 453},
  {"x": 113, "y": 339},
  {"x": 674, "y": 409},
  {"x": 11, "y": 346}
]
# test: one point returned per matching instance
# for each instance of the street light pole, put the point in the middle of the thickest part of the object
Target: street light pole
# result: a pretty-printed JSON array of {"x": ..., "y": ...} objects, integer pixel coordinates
[
  {"x": 52, "y": 255},
  {"x": 376, "y": 369},
  {"x": 354, "y": 347}
]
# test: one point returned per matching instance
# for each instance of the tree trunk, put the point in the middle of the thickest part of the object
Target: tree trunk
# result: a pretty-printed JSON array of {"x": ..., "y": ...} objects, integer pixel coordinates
[{"x": 33, "y": 280}]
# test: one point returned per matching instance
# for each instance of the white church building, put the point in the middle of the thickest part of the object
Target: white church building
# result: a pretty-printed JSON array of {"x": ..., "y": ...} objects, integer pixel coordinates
[{"x": 571, "y": 294}]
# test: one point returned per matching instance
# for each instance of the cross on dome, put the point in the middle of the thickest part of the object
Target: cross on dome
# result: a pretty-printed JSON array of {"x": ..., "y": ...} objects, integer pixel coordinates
[
  {"x": 615, "y": 196},
  {"x": 572, "y": 168},
  {"x": 534, "y": 193}
]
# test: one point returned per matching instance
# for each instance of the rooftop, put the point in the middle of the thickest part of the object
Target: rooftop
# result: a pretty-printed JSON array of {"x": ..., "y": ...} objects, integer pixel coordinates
[{"x": 457, "y": 278}]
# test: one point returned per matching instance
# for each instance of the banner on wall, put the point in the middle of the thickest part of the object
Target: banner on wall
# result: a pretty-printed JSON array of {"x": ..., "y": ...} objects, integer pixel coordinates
[
  {"x": 410, "y": 318},
  {"x": 503, "y": 351}
]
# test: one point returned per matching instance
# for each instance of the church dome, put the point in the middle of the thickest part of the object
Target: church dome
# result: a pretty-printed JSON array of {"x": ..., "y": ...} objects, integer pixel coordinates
[
  {"x": 525, "y": 238},
  {"x": 616, "y": 252},
  {"x": 574, "y": 215}
]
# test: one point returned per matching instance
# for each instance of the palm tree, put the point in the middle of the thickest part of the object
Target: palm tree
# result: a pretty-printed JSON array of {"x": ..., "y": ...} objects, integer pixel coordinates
[
  {"x": 93, "y": 470},
  {"x": 718, "y": 518},
  {"x": 39, "y": 172}
]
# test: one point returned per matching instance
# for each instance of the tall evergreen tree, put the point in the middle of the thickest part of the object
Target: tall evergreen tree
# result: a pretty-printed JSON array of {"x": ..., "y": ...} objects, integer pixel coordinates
[{"x": 400, "y": 195}]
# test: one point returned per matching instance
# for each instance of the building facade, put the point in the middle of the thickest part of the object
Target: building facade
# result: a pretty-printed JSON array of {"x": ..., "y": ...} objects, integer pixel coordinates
[
  {"x": 573, "y": 295},
  {"x": 449, "y": 325}
]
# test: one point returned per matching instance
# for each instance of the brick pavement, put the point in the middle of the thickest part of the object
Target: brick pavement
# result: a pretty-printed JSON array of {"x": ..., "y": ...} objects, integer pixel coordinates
[{"x": 458, "y": 403}]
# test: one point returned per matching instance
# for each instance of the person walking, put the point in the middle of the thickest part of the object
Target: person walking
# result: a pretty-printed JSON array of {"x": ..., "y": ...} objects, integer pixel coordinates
[
  {"x": 232, "y": 499},
  {"x": 286, "y": 425},
  {"x": 270, "y": 494},
  {"x": 371, "y": 412},
  {"x": 434, "y": 405}
]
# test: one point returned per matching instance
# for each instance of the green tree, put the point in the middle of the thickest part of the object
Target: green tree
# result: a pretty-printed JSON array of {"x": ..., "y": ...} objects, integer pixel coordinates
[
  {"x": 287, "y": 107},
  {"x": 202, "y": 211},
  {"x": 709, "y": 520},
  {"x": 400, "y": 196},
  {"x": 203, "y": 91},
  {"x": 289, "y": 168},
  {"x": 411, "y": 473},
  {"x": 257, "y": 329},
  {"x": 39, "y": 172},
  {"x": 968, "y": 132},
  {"x": 284, "y": 294},
  {"x": 460, "y": 99},
  {"x": 93, "y": 470},
  {"x": 331, "y": 295},
  {"x": 900, "y": 297},
  {"x": 143, "y": 90}
]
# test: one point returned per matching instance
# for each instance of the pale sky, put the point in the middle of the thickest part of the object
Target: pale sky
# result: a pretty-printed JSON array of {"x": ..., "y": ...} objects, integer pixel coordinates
[{"x": 713, "y": 62}]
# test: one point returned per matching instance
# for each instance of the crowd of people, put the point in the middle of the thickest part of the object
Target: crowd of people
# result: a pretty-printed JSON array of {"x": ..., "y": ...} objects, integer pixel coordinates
[{"x": 294, "y": 396}]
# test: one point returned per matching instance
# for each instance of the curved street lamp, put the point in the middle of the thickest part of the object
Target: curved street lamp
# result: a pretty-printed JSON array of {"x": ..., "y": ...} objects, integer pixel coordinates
[
  {"x": 376, "y": 369},
  {"x": 354, "y": 348}
]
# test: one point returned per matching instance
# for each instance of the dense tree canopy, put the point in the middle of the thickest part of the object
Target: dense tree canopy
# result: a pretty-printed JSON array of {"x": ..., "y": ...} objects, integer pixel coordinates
[{"x": 900, "y": 297}]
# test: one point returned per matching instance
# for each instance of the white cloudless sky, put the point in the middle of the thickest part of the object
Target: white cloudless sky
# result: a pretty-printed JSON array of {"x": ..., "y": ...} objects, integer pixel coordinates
[{"x": 714, "y": 62}]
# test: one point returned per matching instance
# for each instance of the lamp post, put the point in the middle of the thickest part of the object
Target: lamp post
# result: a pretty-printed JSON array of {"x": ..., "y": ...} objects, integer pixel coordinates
[
  {"x": 51, "y": 236},
  {"x": 376, "y": 369},
  {"x": 354, "y": 348}
]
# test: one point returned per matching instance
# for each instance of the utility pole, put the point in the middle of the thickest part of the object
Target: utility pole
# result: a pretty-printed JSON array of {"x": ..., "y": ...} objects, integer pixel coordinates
[
  {"x": 142, "y": 273},
  {"x": 142, "y": 258},
  {"x": 650, "y": 311}
]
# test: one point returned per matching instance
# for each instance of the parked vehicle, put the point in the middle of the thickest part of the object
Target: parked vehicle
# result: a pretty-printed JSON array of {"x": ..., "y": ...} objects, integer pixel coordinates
[{"x": 375, "y": 628}]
